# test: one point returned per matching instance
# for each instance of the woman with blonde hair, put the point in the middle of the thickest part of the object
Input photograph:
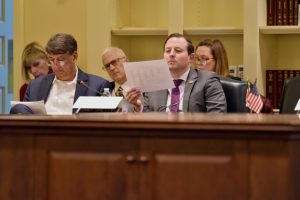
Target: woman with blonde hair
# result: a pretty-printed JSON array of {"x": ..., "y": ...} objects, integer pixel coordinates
[{"x": 34, "y": 64}]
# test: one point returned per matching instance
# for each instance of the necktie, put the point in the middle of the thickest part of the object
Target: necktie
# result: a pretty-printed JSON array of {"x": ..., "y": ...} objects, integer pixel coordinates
[
  {"x": 175, "y": 96},
  {"x": 119, "y": 92}
]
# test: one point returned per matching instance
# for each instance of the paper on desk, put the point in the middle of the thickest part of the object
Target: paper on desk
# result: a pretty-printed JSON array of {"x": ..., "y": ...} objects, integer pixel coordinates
[
  {"x": 149, "y": 75},
  {"x": 38, "y": 107},
  {"x": 94, "y": 102},
  {"x": 297, "y": 108}
]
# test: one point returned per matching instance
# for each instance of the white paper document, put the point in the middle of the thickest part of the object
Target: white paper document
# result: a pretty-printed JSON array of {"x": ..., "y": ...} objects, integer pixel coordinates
[
  {"x": 297, "y": 108},
  {"x": 92, "y": 102},
  {"x": 38, "y": 107},
  {"x": 149, "y": 75}
]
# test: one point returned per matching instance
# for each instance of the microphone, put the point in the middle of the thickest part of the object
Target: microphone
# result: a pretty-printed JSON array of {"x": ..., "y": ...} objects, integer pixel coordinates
[{"x": 81, "y": 82}]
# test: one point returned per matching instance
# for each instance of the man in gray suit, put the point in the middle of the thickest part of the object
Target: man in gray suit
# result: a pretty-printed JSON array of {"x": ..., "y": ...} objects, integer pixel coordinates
[{"x": 197, "y": 90}]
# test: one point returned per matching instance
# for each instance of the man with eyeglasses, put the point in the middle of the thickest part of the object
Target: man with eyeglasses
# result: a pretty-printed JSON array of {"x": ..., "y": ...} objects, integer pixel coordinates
[
  {"x": 113, "y": 59},
  {"x": 195, "y": 91},
  {"x": 61, "y": 89}
]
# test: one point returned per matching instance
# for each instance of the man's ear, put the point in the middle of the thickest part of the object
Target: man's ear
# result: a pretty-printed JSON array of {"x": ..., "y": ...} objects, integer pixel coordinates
[
  {"x": 191, "y": 58},
  {"x": 75, "y": 56}
]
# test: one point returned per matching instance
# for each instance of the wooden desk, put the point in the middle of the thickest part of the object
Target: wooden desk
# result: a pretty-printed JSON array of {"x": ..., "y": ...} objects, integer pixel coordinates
[{"x": 154, "y": 156}]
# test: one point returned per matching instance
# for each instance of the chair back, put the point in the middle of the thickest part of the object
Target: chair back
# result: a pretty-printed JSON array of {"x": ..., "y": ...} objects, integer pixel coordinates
[
  {"x": 235, "y": 92},
  {"x": 290, "y": 95}
]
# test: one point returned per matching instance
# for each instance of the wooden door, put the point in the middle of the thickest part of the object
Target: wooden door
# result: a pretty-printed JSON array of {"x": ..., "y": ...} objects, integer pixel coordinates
[
  {"x": 89, "y": 168},
  {"x": 16, "y": 161},
  {"x": 195, "y": 168}
]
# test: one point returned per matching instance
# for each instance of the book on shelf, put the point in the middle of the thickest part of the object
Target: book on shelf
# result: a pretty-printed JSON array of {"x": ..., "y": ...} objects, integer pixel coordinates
[
  {"x": 290, "y": 11},
  {"x": 282, "y": 12},
  {"x": 285, "y": 14},
  {"x": 296, "y": 12},
  {"x": 270, "y": 12},
  {"x": 274, "y": 84},
  {"x": 279, "y": 12}
]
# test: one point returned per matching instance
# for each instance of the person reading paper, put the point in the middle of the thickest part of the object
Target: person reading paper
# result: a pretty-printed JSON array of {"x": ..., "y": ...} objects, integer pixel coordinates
[
  {"x": 61, "y": 89},
  {"x": 195, "y": 91}
]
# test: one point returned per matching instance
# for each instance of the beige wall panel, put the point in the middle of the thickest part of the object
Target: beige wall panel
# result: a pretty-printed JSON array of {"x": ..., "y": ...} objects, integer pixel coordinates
[
  {"x": 268, "y": 49},
  {"x": 98, "y": 26},
  {"x": 211, "y": 13},
  {"x": 288, "y": 52},
  {"x": 141, "y": 47},
  {"x": 18, "y": 45},
  {"x": 142, "y": 13},
  {"x": 44, "y": 18}
]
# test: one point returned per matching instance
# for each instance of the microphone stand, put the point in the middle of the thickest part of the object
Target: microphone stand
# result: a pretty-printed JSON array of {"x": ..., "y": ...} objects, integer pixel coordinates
[{"x": 81, "y": 82}]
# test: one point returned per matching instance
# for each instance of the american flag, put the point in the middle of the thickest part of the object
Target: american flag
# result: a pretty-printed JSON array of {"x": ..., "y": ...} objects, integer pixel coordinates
[{"x": 253, "y": 98}]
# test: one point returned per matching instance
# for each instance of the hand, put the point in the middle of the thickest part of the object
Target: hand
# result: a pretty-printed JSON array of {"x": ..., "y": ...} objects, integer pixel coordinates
[{"x": 133, "y": 96}]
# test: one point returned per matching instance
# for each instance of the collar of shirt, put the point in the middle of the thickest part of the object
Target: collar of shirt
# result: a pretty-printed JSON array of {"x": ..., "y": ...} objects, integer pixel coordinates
[
  {"x": 182, "y": 77},
  {"x": 181, "y": 89},
  {"x": 67, "y": 82},
  {"x": 124, "y": 86},
  {"x": 61, "y": 96}
]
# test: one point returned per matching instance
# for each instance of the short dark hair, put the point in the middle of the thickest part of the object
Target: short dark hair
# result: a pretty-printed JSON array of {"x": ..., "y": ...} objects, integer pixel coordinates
[
  {"x": 61, "y": 43},
  {"x": 190, "y": 47}
]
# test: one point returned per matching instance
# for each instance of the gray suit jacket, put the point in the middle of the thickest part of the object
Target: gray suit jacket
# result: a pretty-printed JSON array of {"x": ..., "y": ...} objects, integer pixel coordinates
[
  {"x": 39, "y": 88},
  {"x": 202, "y": 93}
]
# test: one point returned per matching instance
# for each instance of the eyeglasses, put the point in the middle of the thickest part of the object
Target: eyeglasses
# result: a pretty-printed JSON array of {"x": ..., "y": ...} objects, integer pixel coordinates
[
  {"x": 58, "y": 61},
  {"x": 203, "y": 60},
  {"x": 113, "y": 62}
]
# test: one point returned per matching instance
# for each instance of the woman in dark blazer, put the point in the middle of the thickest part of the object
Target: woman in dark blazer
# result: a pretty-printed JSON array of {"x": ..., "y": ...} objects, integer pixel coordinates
[{"x": 211, "y": 55}]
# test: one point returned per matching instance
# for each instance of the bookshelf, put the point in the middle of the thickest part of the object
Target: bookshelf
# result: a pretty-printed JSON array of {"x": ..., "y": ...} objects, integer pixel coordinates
[
  {"x": 278, "y": 45},
  {"x": 279, "y": 30},
  {"x": 240, "y": 24},
  {"x": 141, "y": 26}
]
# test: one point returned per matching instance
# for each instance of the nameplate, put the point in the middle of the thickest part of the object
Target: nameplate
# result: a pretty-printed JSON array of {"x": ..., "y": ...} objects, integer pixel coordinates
[{"x": 92, "y": 102}]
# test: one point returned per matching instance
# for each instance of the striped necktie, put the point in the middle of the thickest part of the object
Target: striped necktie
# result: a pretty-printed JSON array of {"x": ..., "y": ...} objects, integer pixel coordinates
[{"x": 119, "y": 92}]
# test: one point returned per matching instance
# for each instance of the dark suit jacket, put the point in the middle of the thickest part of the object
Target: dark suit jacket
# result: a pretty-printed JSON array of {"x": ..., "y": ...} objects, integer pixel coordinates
[
  {"x": 202, "y": 93},
  {"x": 23, "y": 88},
  {"x": 39, "y": 88}
]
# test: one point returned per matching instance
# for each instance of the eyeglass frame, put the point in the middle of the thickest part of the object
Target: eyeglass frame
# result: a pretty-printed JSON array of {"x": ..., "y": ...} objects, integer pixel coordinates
[
  {"x": 57, "y": 62},
  {"x": 114, "y": 62},
  {"x": 202, "y": 60}
]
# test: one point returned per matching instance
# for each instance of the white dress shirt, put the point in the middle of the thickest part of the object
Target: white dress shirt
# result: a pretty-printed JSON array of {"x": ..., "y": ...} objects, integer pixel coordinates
[{"x": 61, "y": 97}]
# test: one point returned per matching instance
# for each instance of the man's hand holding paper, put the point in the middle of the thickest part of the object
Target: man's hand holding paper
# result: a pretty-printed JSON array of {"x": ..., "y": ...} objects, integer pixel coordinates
[{"x": 149, "y": 76}]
